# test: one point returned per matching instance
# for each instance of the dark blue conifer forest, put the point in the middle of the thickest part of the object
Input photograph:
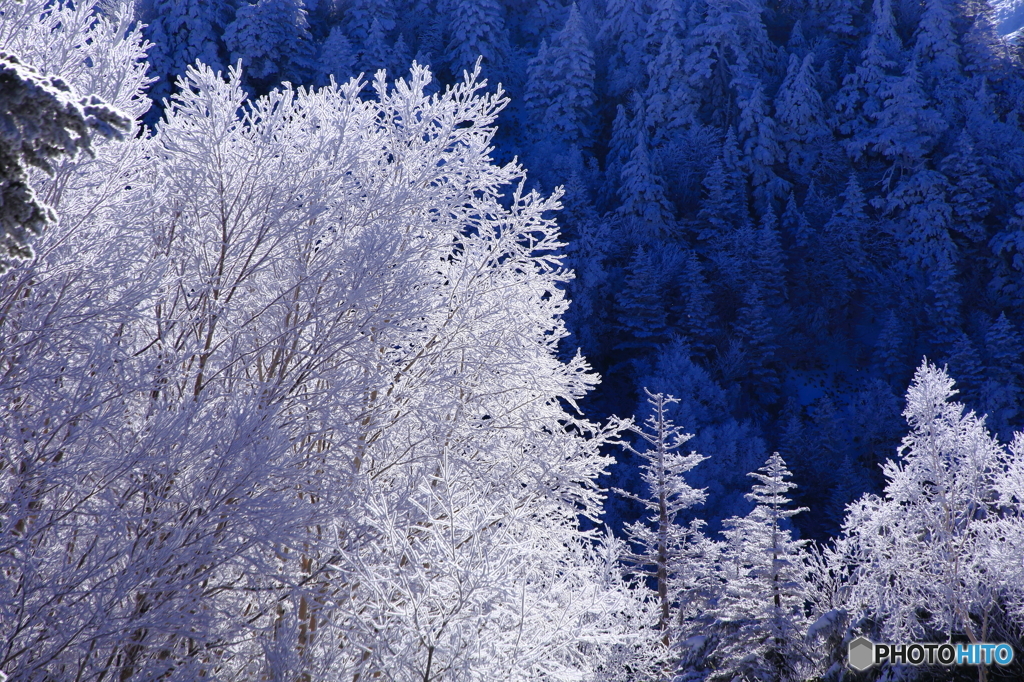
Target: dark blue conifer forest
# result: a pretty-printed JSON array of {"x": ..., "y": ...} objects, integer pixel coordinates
[{"x": 774, "y": 208}]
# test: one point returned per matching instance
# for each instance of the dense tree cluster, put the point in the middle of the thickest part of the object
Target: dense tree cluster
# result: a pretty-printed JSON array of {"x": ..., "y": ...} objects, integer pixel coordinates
[
  {"x": 757, "y": 185},
  {"x": 289, "y": 380}
]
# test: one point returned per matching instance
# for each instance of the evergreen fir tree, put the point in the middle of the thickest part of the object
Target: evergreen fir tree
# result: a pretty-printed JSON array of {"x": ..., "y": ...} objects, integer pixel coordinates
[
  {"x": 971, "y": 193},
  {"x": 1007, "y": 245},
  {"x": 560, "y": 89},
  {"x": 876, "y": 421},
  {"x": 272, "y": 40},
  {"x": 860, "y": 97},
  {"x": 664, "y": 20},
  {"x": 793, "y": 441},
  {"x": 797, "y": 42},
  {"x": 850, "y": 221},
  {"x": 849, "y": 481},
  {"x": 795, "y": 226},
  {"x": 907, "y": 127},
  {"x": 430, "y": 40},
  {"x": 701, "y": 404},
  {"x": 922, "y": 218},
  {"x": 734, "y": 254},
  {"x": 757, "y": 340},
  {"x": 670, "y": 102},
  {"x": 476, "y": 29},
  {"x": 621, "y": 34},
  {"x": 935, "y": 46},
  {"x": 401, "y": 59},
  {"x": 756, "y": 130},
  {"x": 840, "y": 19},
  {"x": 642, "y": 315},
  {"x": 760, "y": 609},
  {"x": 717, "y": 205},
  {"x": 182, "y": 32},
  {"x": 543, "y": 18},
  {"x": 984, "y": 50},
  {"x": 769, "y": 265},
  {"x": 361, "y": 14},
  {"x": 376, "y": 53},
  {"x": 843, "y": 236},
  {"x": 586, "y": 253},
  {"x": 660, "y": 536},
  {"x": 724, "y": 53},
  {"x": 698, "y": 319},
  {"x": 337, "y": 58},
  {"x": 1004, "y": 386},
  {"x": 890, "y": 347},
  {"x": 826, "y": 427},
  {"x": 817, "y": 205},
  {"x": 642, "y": 192},
  {"x": 964, "y": 364},
  {"x": 620, "y": 147},
  {"x": 538, "y": 83},
  {"x": 945, "y": 303},
  {"x": 725, "y": 191},
  {"x": 800, "y": 114}
]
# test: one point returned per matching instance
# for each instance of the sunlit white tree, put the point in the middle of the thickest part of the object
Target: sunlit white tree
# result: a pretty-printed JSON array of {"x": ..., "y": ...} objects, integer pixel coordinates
[
  {"x": 667, "y": 550},
  {"x": 281, "y": 397},
  {"x": 921, "y": 552},
  {"x": 761, "y": 607}
]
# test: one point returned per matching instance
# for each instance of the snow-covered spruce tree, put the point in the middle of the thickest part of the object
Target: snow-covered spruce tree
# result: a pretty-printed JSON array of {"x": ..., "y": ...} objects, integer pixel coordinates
[
  {"x": 271, "y": 38},
  {"x": 280, "y": 399},
  {"x": 51, "y": 106},
  {"x": 800, "y": 114},
  {"x": 360, "y": 15},
  {"x": 183, "y": 31},
  {"x": 620, "y": 35},
  {"x": 761, "y": 608},
  {"x": 336, "y": 57},
  {"x": 1005, "y": 382},
  {"x": 42, "y": 121},
  {"x": 476, "y": 28},
  {"x": 663, "y": 543},
  {"x": 920, "y": 554},
  {"x": 560, "y": 91}
]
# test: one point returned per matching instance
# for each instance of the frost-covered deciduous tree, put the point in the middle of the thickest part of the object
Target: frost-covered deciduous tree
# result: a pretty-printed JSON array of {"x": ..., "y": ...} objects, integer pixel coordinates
[
  {"x": 280, "y": 398},
  {"x": 919, "y": 555}
]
